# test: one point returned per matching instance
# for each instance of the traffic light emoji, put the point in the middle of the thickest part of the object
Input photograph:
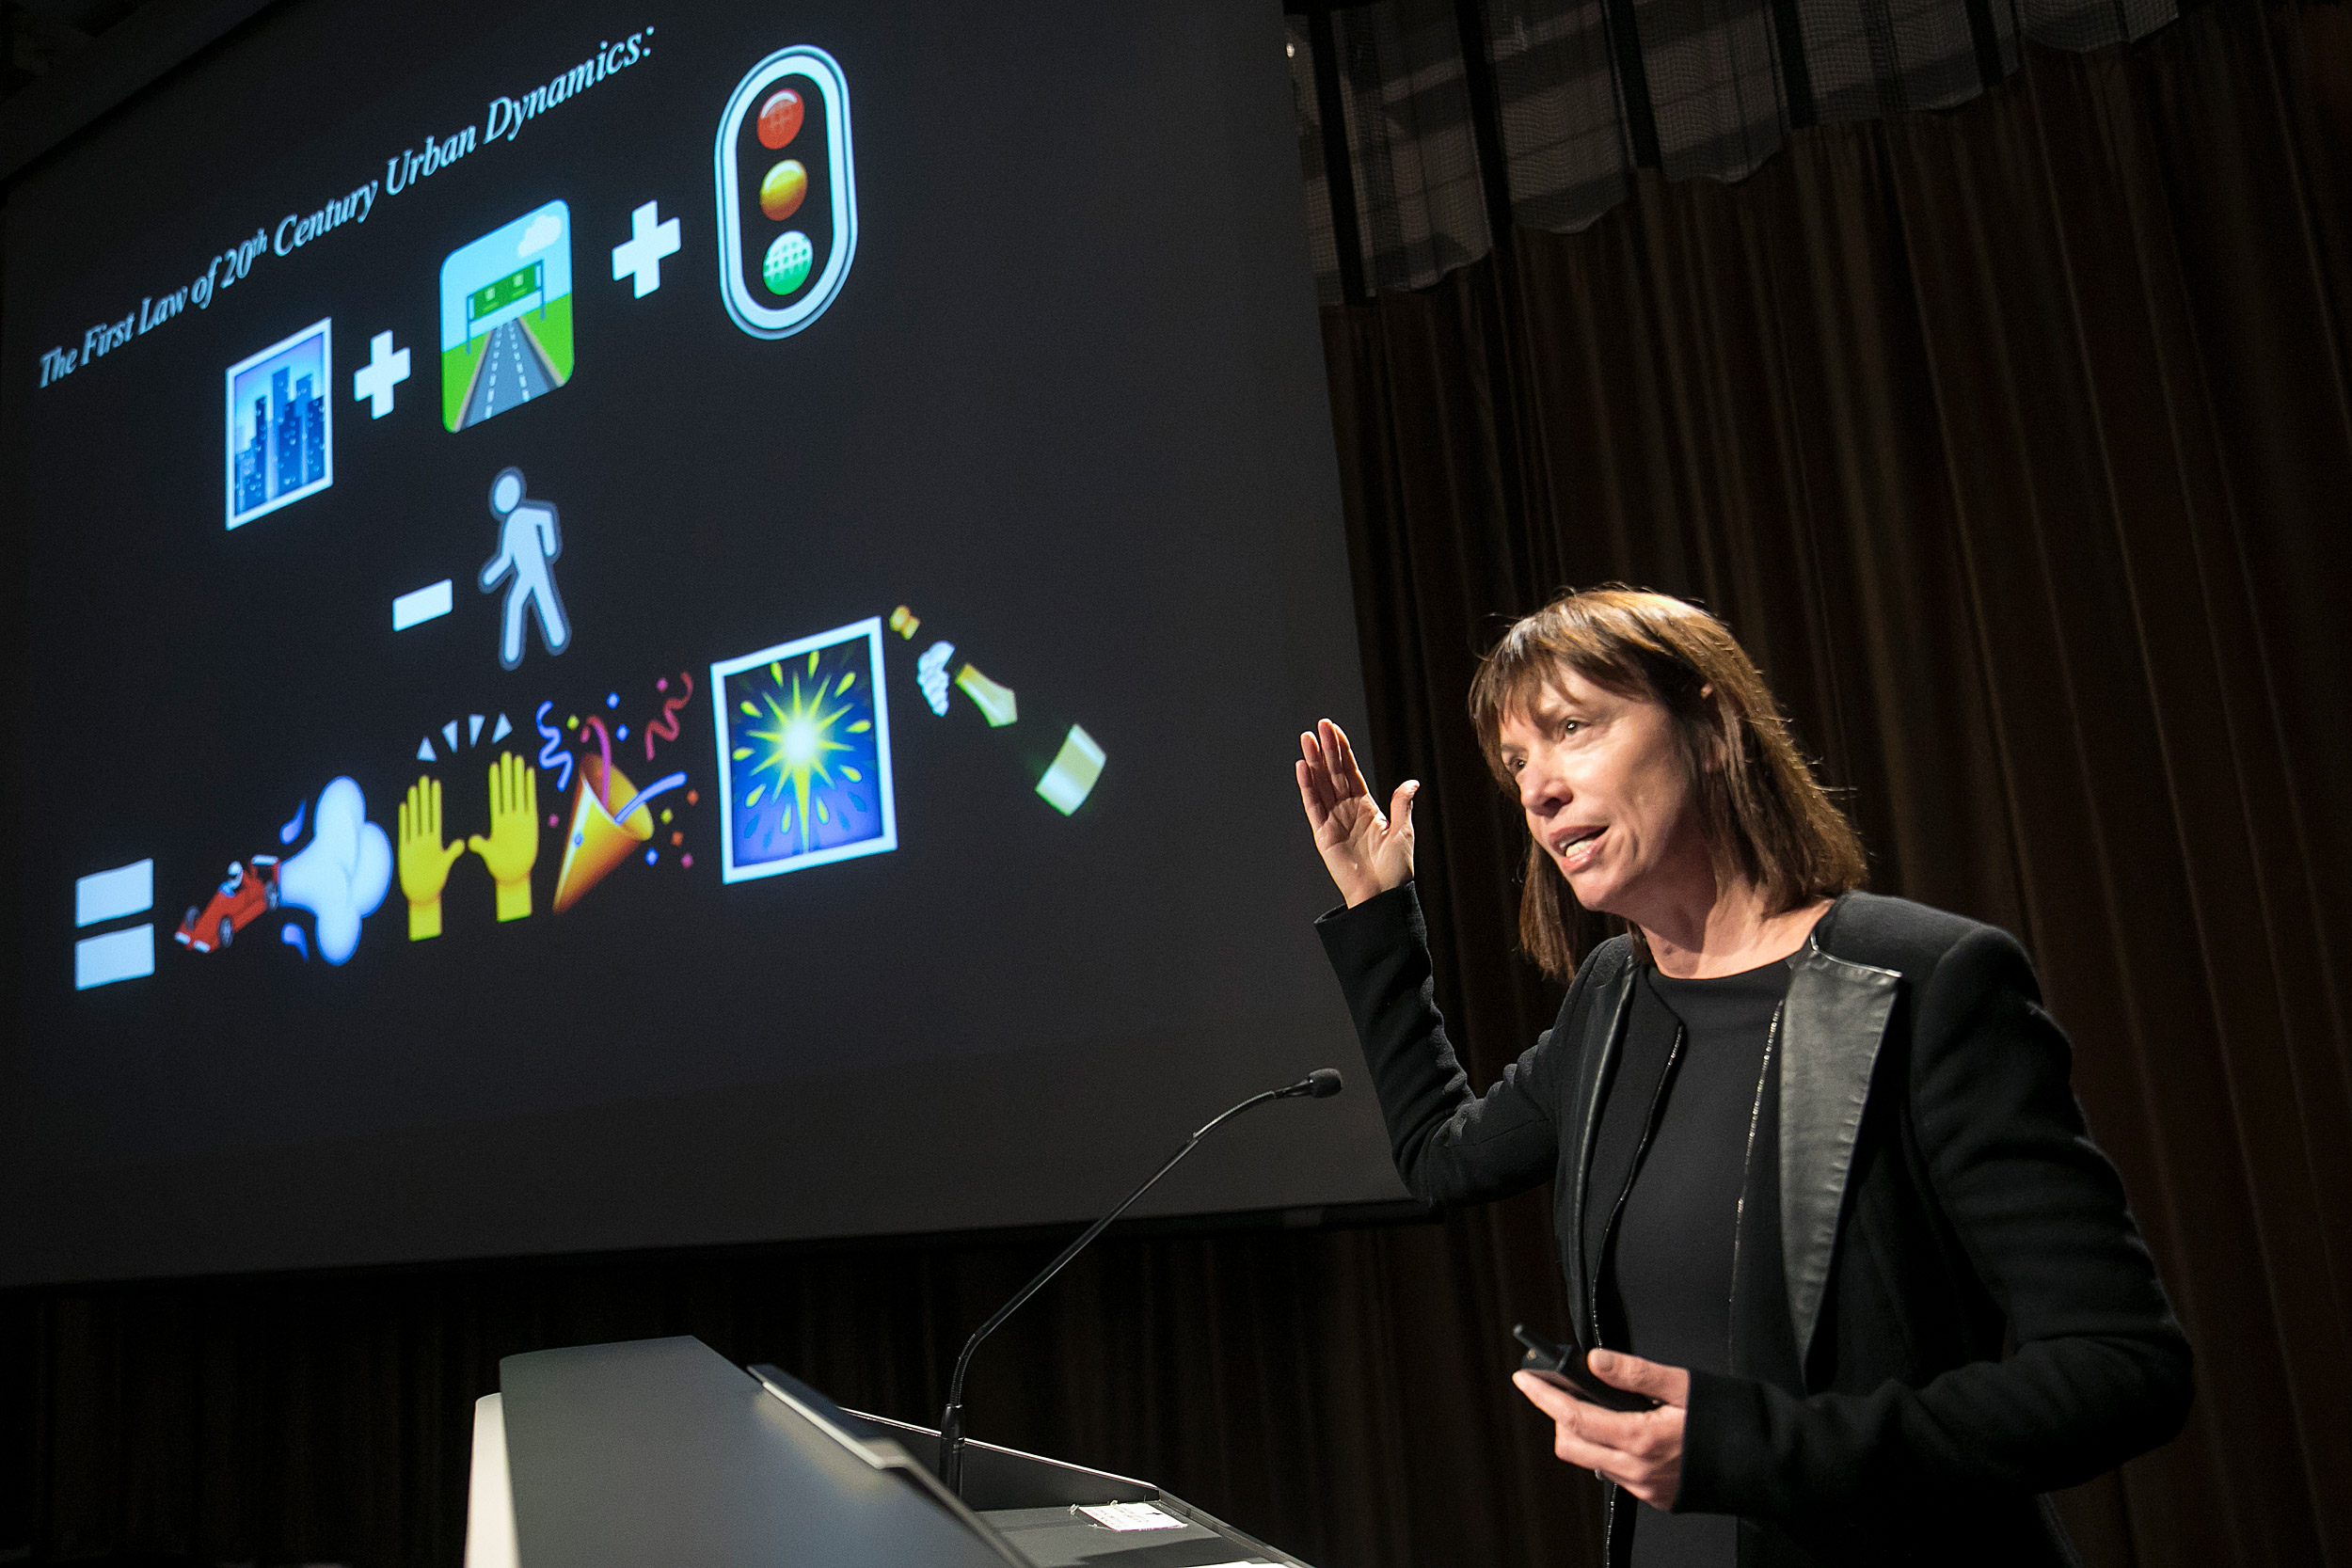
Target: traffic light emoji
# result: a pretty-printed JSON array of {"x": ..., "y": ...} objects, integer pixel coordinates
[{"x": 787, "y": 192}]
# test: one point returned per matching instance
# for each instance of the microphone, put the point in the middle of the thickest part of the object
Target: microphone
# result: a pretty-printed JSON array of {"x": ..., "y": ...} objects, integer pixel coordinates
[{"x": 1322, "y": 1083}]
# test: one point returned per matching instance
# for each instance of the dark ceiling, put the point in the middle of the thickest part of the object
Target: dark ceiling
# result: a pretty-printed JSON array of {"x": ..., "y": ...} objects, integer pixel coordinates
[{"x": 44, "y": 34}]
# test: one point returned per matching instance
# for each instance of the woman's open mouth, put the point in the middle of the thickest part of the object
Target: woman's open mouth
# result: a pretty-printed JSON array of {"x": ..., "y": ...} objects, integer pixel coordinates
[{"x": 1574, "y": 848}]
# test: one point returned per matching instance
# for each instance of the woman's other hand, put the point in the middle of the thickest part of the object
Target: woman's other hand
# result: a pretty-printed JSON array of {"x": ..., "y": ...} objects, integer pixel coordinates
[
  {"x": 1641, "y": 1451},
  {"x": 1365, "y": 852}
]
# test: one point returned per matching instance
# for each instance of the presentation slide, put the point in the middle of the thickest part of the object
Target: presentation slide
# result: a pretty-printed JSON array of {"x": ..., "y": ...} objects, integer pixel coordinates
[{"x": 667, "y": 626}]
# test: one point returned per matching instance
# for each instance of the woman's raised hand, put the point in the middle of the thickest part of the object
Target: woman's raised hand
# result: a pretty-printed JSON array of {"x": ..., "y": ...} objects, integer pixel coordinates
[{"x": 1366, "y": 852}]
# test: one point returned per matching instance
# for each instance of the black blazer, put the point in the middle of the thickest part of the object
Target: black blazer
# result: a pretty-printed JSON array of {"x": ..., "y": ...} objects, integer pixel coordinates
[{"x": 1941, "y": 1306}]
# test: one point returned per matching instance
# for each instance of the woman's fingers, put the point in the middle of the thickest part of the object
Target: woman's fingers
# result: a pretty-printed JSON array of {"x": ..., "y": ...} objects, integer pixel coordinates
[
  {"x": 1310, "y": 751},
  {"x": 1667, "y": 1384},
  {"x": 1328, "y": 753},
  {"x": 1347, "y": 780},
  {"x": 1401, "y": 806},
  {"x": 1575, "y": 1451},
  {"x": 1351, "y": 776},
  {"x": 1630, "y": 1450},
  {"x": 1318, "y": 768},
  {"x": 1311, "y": 797},
  {"x": 1553, "y": 1402},
  {"x": 1632, "y": 1471},
  {"x": 1331, "y": 763},
  {"x": 1590, "y": 1422},
  {"x": 1315, "y": 782}
]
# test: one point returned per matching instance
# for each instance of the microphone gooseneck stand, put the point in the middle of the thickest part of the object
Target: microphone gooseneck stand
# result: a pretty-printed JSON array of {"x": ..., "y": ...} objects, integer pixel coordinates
[{"x": 1319, "y": 1084}]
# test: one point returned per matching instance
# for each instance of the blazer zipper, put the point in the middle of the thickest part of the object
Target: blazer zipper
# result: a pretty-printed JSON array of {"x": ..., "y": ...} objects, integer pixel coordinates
[
  {"x": 1740, "y": 1209},
  {"x": 1641, "y": 1149}
]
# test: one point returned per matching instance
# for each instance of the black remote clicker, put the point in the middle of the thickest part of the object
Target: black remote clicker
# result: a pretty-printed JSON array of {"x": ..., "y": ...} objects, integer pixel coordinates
[{"x": 1565, "y": 1366}]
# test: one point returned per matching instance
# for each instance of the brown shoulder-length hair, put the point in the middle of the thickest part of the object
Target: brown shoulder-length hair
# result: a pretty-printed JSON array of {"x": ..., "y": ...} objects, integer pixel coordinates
[{"x": 1768, "y": 819}]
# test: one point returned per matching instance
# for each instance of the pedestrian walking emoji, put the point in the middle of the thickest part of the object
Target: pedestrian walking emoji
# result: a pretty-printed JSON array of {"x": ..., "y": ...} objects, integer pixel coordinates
[{"x": 530, "y": 539}]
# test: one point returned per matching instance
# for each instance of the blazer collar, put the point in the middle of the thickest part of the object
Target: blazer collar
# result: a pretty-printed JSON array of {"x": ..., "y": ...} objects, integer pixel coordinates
[{"x": 1831, "y": 1025}]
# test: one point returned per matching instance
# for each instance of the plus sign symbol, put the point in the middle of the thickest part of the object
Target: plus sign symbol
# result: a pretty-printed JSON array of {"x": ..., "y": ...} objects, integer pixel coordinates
[
  {"x": 386, "y": 369},
  {"x": 650, "y": 238}
]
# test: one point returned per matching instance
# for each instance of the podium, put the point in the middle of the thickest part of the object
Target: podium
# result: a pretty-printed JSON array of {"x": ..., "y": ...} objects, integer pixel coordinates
[{"x": 663, "y": 1452}]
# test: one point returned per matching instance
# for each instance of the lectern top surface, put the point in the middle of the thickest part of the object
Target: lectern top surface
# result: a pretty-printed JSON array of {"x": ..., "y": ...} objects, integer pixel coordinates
[
  {"x": 661, "y": 1451},
  {"x": 1057, "y": 1538}
]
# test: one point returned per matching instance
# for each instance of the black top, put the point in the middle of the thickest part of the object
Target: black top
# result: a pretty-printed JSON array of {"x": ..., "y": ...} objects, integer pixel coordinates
[
  {"x": 1944, "y": 1306},
  {"x": 1687, "y": 1091}
]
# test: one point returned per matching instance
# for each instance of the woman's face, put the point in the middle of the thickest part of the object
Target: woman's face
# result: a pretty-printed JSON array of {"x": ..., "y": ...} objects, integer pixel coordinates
[{"x": 1606, "y": 793}]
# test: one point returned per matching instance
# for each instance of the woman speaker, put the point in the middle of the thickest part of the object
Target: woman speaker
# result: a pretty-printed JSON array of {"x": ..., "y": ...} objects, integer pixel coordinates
[{"x": 1820, "y": 1186}]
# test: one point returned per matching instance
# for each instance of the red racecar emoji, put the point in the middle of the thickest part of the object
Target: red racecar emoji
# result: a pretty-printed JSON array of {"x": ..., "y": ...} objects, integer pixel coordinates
[{"x": 250, "y": 890}]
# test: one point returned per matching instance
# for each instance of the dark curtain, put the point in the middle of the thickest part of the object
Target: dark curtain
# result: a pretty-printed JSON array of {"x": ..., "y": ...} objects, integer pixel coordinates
[{"x": 2016, "y": 443}]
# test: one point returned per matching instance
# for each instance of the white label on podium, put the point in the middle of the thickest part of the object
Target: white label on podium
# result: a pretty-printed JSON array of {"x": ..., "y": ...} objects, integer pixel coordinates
[{"x": 1132, "y": 1517}]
